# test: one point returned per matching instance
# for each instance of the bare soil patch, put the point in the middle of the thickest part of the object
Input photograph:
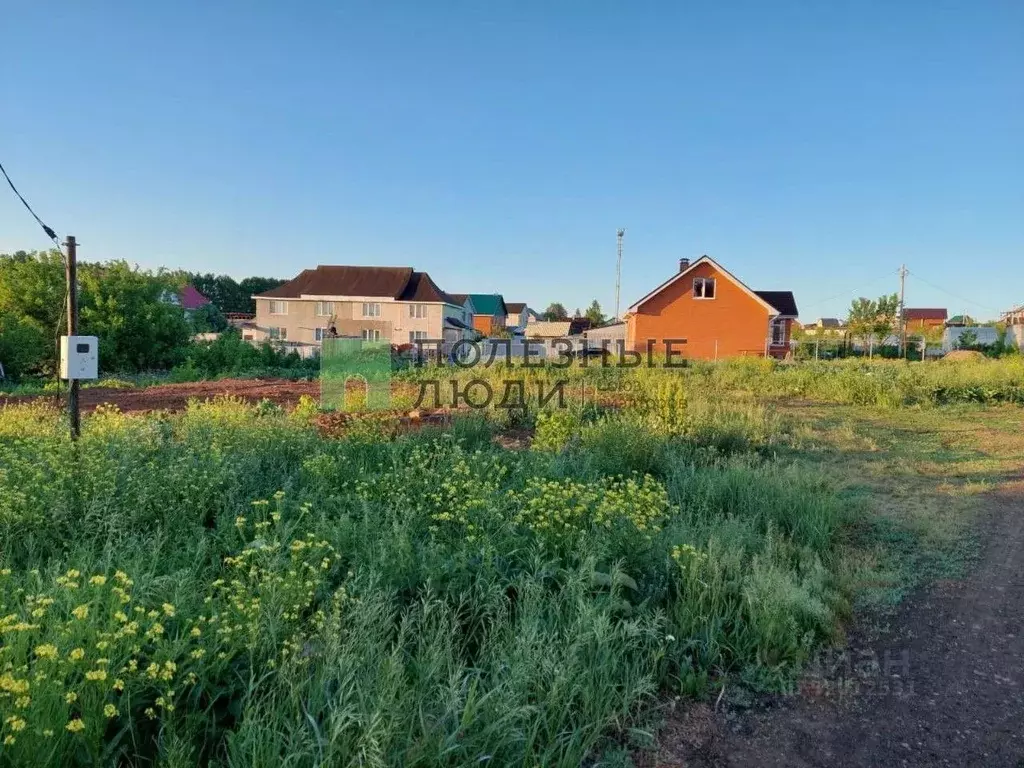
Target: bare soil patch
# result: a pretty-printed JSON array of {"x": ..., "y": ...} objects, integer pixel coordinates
[{"x": 174, "y": 397}]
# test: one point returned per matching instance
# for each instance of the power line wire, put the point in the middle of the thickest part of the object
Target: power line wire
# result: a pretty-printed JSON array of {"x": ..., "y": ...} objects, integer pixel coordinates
[
  {"x": 844, "y": 294},
  {"x": 56, "y": 242},
  {"x": 953, "y": 295},
  {"x": 47, "y": 229}
]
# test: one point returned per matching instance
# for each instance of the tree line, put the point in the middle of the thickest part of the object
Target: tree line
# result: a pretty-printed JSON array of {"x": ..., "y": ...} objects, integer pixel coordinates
[
  {"x": 132, "y": 310},
  {"x": 557, "y": 311}
]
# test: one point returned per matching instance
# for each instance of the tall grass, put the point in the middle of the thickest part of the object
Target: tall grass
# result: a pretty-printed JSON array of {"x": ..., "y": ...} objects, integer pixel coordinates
[{"x": 430, "y": 600}]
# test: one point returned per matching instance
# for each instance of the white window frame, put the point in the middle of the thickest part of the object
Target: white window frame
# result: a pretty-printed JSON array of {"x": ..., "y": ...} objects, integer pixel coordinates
[
  {"x": 371, "y": 334},
  {"x": 418, "y": 311},
  {"x": 701, "y": 292},
  {"x": 371, "y": 309},
  {"x": 324, "y": 308},
  {"x": 415, "y": 336},
  {"x": 778, "y": 325},
  {"x": 277, "y": 304},
  {"x": 319, "y": 334},
  {"x": 277, "y": 333}
]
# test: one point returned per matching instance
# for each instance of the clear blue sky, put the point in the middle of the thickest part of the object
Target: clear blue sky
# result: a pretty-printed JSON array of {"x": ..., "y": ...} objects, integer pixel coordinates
[{"x": 811, "y": 146}]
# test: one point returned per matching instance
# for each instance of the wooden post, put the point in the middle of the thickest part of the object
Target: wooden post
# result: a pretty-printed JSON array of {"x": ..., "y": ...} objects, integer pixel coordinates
[{"x": 71, "y": 275}]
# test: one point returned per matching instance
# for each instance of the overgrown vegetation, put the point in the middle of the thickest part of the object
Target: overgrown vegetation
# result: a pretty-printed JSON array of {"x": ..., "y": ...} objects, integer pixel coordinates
[
  {"x": 133, "y": 311},
  {"x": 229, "y": 585}
]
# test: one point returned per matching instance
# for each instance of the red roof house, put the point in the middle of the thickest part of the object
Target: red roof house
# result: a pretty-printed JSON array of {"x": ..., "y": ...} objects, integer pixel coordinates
[
  {"x": 924, "y": 318},
  {"x": 190, "y": 299}
]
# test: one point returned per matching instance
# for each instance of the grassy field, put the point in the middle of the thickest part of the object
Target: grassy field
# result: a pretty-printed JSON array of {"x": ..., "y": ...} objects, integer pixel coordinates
[{"x": 229, "y": 586}]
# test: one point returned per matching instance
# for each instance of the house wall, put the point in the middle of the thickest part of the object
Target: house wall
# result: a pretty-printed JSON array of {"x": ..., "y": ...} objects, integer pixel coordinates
[
  {"x": 923, "y": 325},
  {"x": 394, "y": 322},
  {"x": 730, "y": 325},
  {"x": 487, "y": 324}
]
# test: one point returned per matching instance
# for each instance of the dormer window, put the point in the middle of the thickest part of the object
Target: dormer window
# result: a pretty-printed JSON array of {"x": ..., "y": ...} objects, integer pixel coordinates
[{"x": 703, "y": 287}]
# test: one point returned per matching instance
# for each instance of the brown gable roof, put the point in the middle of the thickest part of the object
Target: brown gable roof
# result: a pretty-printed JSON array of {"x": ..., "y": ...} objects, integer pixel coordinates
[
  {"x": 401, "y": 283},
  {"x": 514, "y": 309},
  {"x": 422, "y": 288},
  {"x": 924, "y": 313}
]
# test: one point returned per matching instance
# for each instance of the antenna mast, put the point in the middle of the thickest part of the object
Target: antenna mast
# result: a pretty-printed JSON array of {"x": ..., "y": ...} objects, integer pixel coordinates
[{"x": 618, "y": 271}]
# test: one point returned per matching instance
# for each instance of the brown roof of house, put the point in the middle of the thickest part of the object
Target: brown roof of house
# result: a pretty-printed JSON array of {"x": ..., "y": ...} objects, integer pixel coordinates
[
  {"x": 422, "y": 288},
  {"x": 460, "y": 298},
  {"x": 925, "y": 313},
  {"x": 514, "y": 309},
  {"x": 402, "y": 283}
]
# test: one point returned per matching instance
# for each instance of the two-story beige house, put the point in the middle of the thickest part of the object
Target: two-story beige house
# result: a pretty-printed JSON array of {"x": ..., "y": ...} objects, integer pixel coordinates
[{"x": 394, "y": 304}]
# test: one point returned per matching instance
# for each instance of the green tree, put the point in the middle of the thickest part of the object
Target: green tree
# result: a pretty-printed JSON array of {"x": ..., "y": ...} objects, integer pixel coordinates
[
  {"x": 250, "y": 286},
  {"x": 228, "y": 294},
  {"x": 32, "y": 287},
  {"x": 887, "y": 309},
  {"x": 23, "y": 345},
  {"x": 207, "y": 319},
  {"x": 555, "y": 311},
  {"x": 873, "y": 319},
  {"x": 968, "y": 339},
  {"x": 128, "y": 309},
  {"x": 594, "y": 313},
  {"x": 222, "y": 290}
]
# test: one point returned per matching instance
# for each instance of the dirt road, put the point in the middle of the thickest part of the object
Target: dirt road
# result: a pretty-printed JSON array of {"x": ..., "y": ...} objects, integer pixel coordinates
[{"x": 942, "y": 685}]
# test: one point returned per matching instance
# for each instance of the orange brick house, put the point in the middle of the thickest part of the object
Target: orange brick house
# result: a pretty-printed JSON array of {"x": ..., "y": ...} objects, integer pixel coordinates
[
  {"x": 922, "y": 319},
  {"x": 489, "y": 312},
  {"x": 714, "y": 312}
]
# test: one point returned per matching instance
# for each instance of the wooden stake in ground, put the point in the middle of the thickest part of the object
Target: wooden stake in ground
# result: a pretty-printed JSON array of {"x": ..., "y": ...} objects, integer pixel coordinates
[{"x": 71, "y": 275}]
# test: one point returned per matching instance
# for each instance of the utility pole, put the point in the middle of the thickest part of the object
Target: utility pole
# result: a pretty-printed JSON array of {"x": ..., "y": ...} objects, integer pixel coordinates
[
  {"x": 903, "y": 318},
  {"x": 618, "y": 270},
  {"x": 71, "y": 275}
]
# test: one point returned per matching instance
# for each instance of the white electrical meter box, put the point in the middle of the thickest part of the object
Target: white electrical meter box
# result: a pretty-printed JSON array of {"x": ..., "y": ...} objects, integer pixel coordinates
[{"x": 79, "y": 357}]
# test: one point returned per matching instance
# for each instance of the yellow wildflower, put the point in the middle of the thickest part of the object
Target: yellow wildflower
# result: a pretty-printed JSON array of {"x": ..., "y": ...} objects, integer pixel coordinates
[
  {"x": 75, "y": 725},
  {"x": 98, "y": 581},
  {"x": 110, "y": 711},
  {"x": 81, "y": 612},
  {"x": 168, "y": 609},
  {"x": 98, "y": 675},
  {"x": 46, "y": 651},
  {"x": 70, "y": 697},
  {"x": 77, "y": 654},
  {"x": 118, "y": 685}
]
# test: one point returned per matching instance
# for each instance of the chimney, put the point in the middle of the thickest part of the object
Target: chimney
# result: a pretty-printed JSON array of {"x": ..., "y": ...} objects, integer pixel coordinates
[{"x": 683, "y": 264}]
